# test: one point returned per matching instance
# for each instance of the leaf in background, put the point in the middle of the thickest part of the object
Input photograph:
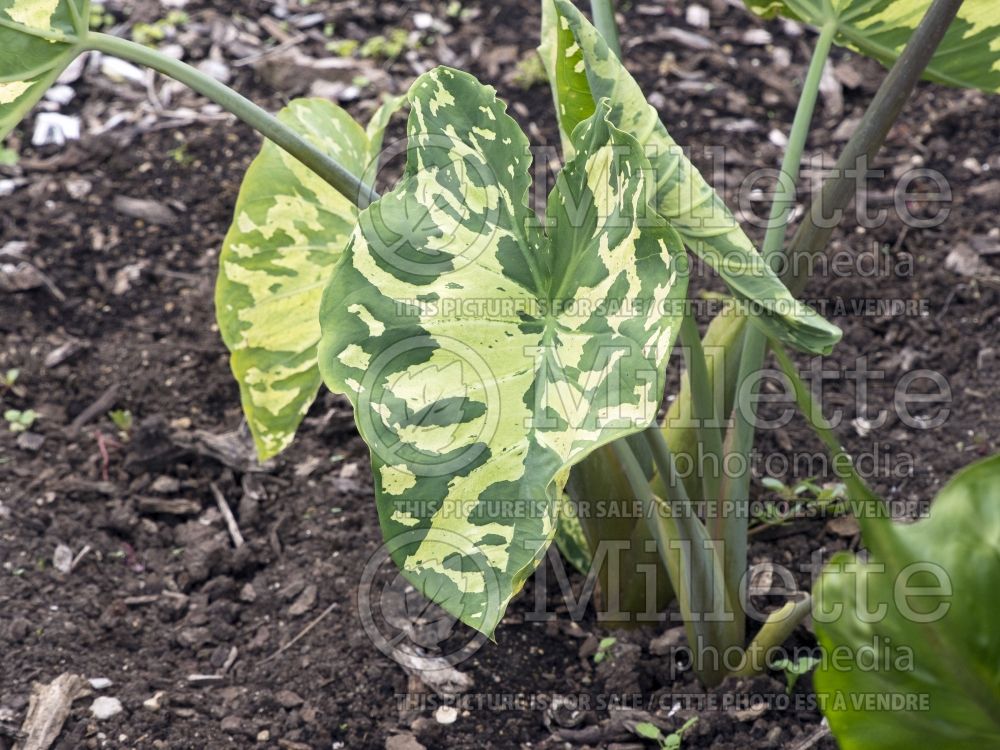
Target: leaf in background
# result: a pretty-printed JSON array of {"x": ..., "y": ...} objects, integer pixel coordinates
[
  {"x": 473, "y": 390},
  {"x": 570, "y": 539},
  {"x": 583, "y": 70},
  {"x": 29, "y": 63},
  {"x": 955, "y": 664},
  {"x": 968, "y": 56},
  {"x": 290, "y": 228}
]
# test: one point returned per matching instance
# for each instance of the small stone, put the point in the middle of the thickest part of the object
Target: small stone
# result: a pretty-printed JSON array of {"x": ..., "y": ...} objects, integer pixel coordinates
[
  {"x": 248, "y": 593},
  {"x": 697, "y": 16},
  {"x": 165, "y": 485},
  {"x": 193, "y": 638},
  {"x": 263, "y": 735},
  {"x": 664, "y": 644},
  {"x": 404, "y": 741},
  {"x": 446, "y": 715},
  {"x": 288, "y": 699},
  {"x": 232, "y": 724},
  {"x": 845, "y": 526},
  {"x": 156, "y": 702},
  {"x": 18, "y": 630},
  {"x": 62, "y": 558},
  {"x": 305, "y": 601},
  {"x": 100, "y": 683},
  {"x": 104, "y": 708},
  {"x": 30, "y": 441}
]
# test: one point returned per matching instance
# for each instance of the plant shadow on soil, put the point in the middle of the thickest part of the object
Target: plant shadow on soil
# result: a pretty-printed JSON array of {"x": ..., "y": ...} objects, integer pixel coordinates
[{"x": 164, "y": 595}]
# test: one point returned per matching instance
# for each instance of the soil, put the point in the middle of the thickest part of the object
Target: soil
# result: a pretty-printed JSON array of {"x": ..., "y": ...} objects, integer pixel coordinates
[{"x": 162, "y": 593}]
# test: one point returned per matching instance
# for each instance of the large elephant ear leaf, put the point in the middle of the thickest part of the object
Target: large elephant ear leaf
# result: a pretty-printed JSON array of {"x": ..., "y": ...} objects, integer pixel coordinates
[
  {"x": 37, "y": 42},
  {"x": 916, "y": 624},
  {"x": 583, "y": 71},
  {"x": 289, "y": 229},
  {"x": 968, "y": 56},
  {"x": 485, "y": 357}
]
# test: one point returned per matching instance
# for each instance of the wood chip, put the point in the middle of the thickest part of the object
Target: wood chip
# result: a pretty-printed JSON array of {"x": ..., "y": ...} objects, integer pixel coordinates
[
  {"x": 168, "y": 506},
  {"x": 149, "y": 211},
  {"x": 103, "y": 404},
  {"x": 48, "y": 709},
  {"x": 227, "y": 514}
]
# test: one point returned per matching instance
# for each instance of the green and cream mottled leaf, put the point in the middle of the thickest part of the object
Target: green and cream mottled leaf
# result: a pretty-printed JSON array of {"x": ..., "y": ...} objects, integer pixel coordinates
[
  {"x": 583, "y": 71},
  {"x": 968, "y": 56},
  {"x": 917, "y": 620},
  {"x": 484, "y": 356},
  {"x": 289, "y": 229},
  {"x": 36, "y": 45},
  {"x": 570, "y": 537}
]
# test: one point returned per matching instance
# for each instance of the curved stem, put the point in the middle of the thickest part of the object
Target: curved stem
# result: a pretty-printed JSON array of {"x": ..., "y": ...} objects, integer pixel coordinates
[
  {"x": 783, "y": 202},
  {"x": 736, "y": 488},
  {"x": 267, "y": 125},
  {"x": 814, "y": 232},
  {"x": 776, "y": 630},
  {"x": 703, "y": 403}
]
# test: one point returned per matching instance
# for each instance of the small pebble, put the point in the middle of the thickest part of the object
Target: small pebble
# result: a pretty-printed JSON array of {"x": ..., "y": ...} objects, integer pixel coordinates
[
  {"x": 288, "y": 699},
  {"x": 446, "y": 715},
  {"x": 104, "y": 708},
  {"x": 100, "y": 683},
  {"x": 155, "y": 703}
]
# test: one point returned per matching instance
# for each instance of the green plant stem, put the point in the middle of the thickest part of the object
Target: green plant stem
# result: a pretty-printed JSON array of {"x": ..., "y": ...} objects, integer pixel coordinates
[
  {"x": 813, "y": 234},
  {"x": 784, "y": 199},
  {"x": 703, "y": 408},
  {"x": 603, "y": 12},
  {"x": 267, "y": 125},
  {"x": 736, "y": 489},
  {"x": 776, "y": 630},
  {"x": 666, "y": 466}
]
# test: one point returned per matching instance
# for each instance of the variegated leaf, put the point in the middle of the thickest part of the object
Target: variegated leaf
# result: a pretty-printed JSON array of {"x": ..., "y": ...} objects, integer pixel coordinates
[
  {"x": 484, "y": 356},
  {"x": 583, "y": 71},
  {"x": 36, "y": 44},
  {"x": 290, "y": 228},
  {"x": 968, "y": 56},
  {"x": 570, "y": 537}
]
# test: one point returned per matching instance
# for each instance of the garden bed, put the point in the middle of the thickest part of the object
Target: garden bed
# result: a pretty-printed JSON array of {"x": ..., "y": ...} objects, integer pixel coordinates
[{"x": 163, "y": 594}]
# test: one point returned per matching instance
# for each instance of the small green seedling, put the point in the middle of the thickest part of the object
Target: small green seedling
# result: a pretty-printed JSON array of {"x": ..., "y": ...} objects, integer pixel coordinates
[
  {"x": 672, "y": 741},
  {"x": 8, "y": 157},
  {"x": 9, "y": 378},
  {"x": 20, "y": 421},
  {"x": 122, "y": 419},
  {"x": 794, "y": 669},
  {"x": 388, "y": 46},
  {"x": 806, "y": 498},
  {"x": 151, "y": 34},
  {"x": 604, "y": 649}
]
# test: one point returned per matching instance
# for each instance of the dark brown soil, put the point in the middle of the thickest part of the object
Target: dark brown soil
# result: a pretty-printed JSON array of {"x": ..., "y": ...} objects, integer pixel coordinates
[{"x": 159, "y": 597}]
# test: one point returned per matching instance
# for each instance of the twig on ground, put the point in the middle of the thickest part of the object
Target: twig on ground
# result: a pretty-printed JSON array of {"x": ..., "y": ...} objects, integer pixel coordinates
[
  {"x": 812, "y": 739},
  {"x": 234, "y": 529},
  {"x": 79, "y": 557},
  {"x": 302, "y": 634},
  {"x": 103, "y": 404}
]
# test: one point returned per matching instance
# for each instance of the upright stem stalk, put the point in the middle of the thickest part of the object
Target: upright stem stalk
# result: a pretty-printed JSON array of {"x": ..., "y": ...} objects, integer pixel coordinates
[
  {"x": 792, "y": 161},
  {"x": 736, "y": 489},
  {"x": 813, "y": 234},
  {"x": 603, "y": 12},
  {"x": 267, "y": 125}
]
